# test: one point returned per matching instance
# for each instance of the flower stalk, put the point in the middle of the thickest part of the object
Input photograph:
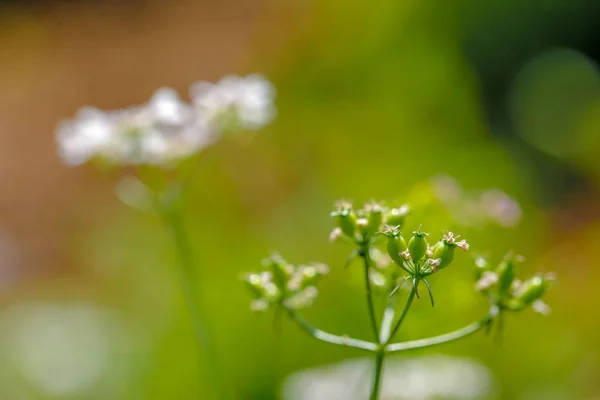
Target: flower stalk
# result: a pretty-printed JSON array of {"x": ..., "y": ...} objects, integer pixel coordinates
[{"x": 414, "y": 260}]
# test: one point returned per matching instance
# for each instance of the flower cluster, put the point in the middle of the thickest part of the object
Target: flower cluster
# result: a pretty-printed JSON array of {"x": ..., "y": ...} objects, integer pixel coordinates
[
  {"x": 363, "y": 225},
  {"x": 167, "y": 129},
  {"x": 507, "y": 292},
  {"x": 283, "y": 283},
  {"x": 418, "y": 257}
]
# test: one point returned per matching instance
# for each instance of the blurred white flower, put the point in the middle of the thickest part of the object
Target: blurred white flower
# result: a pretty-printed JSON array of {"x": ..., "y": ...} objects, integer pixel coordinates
[
  {"x": 166, "y": 129},
  {"x": 80, "y": 138},
  {"x": 248, "y": 101},
  {"x": 430, "y": 377}
]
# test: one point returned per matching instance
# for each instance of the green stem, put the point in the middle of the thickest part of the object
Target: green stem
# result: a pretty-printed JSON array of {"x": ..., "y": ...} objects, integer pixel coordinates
[
  {"x": 387, "y": 320},
  {"x": 188, "y": 278},
  {"x": 330, "y": 338},
  {"x": 435, "y": 340},
  {"x": 365, "y": 255},
  {"x": 377, "y": 378},
  {"x": 411, "y": 297}
]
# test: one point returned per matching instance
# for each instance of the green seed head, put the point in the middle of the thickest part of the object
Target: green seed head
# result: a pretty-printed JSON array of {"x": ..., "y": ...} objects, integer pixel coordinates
[
  {"x": 374, "y": 212},
  {"x": 417, "y": 245},
  {"x": 396, "y": 216},
  {"x": 445, "y": 253},
  {"x": 280, "y": 269},
  {"x": 532, "y": 289},
  {"x": 396, "y": 245},
  {"x": 345, "y": 218},
  {"x": 506, "y": 274}
]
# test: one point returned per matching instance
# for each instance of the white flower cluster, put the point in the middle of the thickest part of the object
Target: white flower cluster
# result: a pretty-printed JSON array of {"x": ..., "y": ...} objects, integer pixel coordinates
[{"x": 166, "y": 128}]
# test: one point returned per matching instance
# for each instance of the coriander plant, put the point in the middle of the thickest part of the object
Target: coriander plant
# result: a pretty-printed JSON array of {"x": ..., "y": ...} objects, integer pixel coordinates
[
  {"x": 157, "y": 147},
  {"x": 412, "y": 260}
]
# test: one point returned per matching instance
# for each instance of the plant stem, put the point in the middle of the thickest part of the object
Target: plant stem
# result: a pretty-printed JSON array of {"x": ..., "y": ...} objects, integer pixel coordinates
[
  {"x": 387, "y": 320},
  {"x": 365, "y": 255},
  {"x": 411, "y": 297},
  {"x": 330, "y": 338},
  {"x": 379, "y": 356},
  {"x": 435, "y": 340},
  {"x": 188, "y": 278}
]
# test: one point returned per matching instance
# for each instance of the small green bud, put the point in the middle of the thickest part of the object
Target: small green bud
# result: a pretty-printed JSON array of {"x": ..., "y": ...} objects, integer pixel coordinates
[
  {"x": 375, "y": 218},
  {"x": 445, "y": 253},
  {"x": 345, "y": 218},
  {"x": 417, "y": 245},
  {"x": 281, "y": 270},
  {"x": 396, "y": 216},
  {"x": 506, "y": 274},
  {"x": 532, "y": 289},
  {"x": 395, "y": 245},
  {"x": 444, "y": 249}
]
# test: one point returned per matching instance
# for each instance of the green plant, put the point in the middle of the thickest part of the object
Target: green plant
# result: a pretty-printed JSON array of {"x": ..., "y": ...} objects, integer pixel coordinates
[
  {"x": 158, "y": 146},
  {"x": 290, "y": 288}
]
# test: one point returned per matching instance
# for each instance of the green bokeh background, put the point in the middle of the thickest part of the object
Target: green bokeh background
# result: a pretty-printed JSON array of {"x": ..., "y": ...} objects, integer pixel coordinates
[{"x": 373, "y": 100}]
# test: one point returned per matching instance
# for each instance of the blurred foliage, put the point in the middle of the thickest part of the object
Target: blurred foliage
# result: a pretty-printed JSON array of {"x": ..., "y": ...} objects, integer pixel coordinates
[{"x": 373, "y": 102}]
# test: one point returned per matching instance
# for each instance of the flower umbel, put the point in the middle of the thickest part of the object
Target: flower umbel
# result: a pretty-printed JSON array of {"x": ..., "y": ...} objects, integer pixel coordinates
[
  {"x": 387, "y": 270},
  {"x": 166, "y": 129}
]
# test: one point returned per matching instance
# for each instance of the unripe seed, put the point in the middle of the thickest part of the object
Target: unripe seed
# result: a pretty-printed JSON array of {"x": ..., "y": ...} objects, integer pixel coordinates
[
  {"x": 396, "y": 216},
  {"x": 395, "y": 246},
  {"x": 417, "y": 245},
  {"x": 445, "y": 253},
  {"x": 375, "y": 220},
  {"x": 347, "y": 222},
  {"x": 531, "y": 290},
  {"x": 281, "y": 270},
  {"x": 506, "y": 275}
]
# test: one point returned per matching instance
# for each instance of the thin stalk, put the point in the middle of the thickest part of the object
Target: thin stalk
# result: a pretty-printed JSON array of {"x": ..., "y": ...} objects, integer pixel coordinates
[
  {"x": 411, "y": 297},
  {"x": 377, "y": 378},
  {"x": 387, "y": 320},
  {"x": 188, "y": 278},
  {"x": 330, "y": 338},
  {"x": 365, "y": 255},
  {"x": 435, "y": 340}
]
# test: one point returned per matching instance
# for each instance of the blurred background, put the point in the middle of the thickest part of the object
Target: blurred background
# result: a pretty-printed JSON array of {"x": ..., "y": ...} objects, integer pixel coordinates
[{"x": 444, "y": 105}]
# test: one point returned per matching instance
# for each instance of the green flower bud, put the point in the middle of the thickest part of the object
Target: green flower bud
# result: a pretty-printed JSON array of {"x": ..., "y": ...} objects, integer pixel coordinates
[
  {"x": 281, "y": 270},
  {"x": 444, "y": 249},
  {"x": 375, "y": 219},
  {"x": 345, "y": 218},
  {"x": 417, "y": 245},
  {"x": 445, "y": 253},
  {"x": 396, "y": 245},
  {"x": 506, "y": 275},
  {"x": 396, "y": 216},
  {"x": 531, "y": 290}
]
